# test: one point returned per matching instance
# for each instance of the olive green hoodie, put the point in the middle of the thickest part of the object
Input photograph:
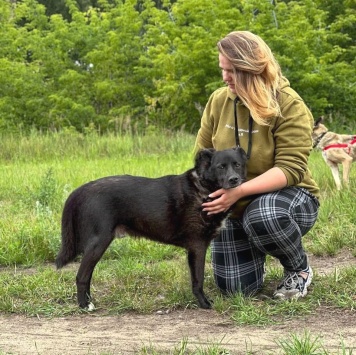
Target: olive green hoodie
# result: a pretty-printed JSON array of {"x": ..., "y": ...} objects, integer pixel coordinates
[{"x": 285, "y": 143}]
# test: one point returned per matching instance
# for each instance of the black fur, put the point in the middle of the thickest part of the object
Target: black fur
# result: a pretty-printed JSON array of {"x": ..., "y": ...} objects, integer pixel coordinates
[{"x": 166, "y": 209}]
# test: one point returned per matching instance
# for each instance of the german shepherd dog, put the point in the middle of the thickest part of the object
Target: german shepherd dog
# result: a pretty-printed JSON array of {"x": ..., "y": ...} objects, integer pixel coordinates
[
  {"x": 165, "y": 209},
  {"x": 336, "y": 149}
]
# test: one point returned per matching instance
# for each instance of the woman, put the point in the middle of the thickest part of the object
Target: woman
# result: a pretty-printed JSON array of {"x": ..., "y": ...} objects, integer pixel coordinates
[{"x": 278, "y": 203}]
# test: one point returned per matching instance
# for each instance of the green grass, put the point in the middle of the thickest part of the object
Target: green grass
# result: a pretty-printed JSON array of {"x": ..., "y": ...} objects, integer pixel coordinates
[
  {"x": 34, "y": 186},
  {"x": 336, "y": 226},
  {"x": 184, "y": 348},
  {"x": 296, "y": 344},
  {"x": 37, "y": 173}
]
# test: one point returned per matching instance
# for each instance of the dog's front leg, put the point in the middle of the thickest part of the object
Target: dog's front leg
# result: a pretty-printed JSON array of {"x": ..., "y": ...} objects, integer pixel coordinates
[{"x": 196, "y": 260}]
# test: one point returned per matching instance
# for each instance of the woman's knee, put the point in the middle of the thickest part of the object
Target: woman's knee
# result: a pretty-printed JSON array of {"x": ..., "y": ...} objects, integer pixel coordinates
[
  {"x": 279, "y": 235},
  {"x": 285, "y": 213},
  {"x": 259, "y": 223}
]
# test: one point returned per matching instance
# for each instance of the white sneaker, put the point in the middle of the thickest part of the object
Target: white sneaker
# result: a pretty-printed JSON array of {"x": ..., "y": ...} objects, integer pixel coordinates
[{"x": 294, "y": 285}]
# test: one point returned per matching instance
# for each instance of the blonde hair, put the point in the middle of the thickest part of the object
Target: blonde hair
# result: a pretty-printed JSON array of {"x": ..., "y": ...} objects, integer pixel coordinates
[{"x": 257, "y": 73}]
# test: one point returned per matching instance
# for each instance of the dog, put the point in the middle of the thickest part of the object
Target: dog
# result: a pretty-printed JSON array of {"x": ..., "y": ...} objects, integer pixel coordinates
[
  {"x": 336, "y": 149},
  {"x": 165, "y": 209}
]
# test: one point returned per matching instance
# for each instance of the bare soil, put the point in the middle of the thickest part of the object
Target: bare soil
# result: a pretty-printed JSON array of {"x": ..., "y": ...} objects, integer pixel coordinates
[{"x": 127, "y": 334}]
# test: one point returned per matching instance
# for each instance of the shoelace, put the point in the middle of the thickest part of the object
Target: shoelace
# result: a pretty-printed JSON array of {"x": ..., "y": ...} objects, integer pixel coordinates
[{"x": 292, "y": 279}]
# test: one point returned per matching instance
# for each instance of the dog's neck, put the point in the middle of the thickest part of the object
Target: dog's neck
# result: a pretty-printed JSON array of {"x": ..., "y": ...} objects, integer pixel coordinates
[
  {"x": 319, "y": 138},
  {"x": 204, "y": 187}
]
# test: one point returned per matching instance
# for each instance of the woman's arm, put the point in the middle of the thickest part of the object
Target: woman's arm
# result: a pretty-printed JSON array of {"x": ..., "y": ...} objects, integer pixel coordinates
[{"x": 272, "y": 180}]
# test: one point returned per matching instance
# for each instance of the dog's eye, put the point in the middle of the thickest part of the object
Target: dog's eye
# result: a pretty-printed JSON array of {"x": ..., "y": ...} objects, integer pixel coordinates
[
  {"x": 237, "y": 165},
  {"x": 221, "y": 166}
]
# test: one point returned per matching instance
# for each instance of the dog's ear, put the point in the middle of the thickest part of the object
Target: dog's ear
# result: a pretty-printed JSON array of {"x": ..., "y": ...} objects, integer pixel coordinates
[
  {"x": 318, "y": 121},
  {"x": 244, "y": 159},
  {"x": 203, "y": 159},
  {"x": 241, "y": 152}
]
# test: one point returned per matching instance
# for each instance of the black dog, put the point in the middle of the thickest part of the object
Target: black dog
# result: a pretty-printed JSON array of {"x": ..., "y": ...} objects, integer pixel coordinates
[{"x": 166, "y": 209}]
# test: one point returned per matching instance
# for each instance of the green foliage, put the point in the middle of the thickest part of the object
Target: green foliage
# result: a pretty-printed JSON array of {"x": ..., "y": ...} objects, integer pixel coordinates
[{"x": 133, "y": 65}]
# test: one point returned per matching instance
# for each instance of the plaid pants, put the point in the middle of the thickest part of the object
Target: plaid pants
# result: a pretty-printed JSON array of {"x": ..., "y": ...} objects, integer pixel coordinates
[{"x": 272, "y": 224}]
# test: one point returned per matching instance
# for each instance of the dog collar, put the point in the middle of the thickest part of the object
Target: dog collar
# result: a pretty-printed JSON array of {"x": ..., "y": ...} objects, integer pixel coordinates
[{"x": 317, "y": 141}]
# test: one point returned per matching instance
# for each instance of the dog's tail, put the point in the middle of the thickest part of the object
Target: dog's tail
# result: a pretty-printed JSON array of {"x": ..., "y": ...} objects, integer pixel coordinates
[{"x": 68, "y": 250}]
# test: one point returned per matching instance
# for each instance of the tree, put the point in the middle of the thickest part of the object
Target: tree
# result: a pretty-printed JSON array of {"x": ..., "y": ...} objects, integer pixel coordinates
[{"x": 101, "y": 63}]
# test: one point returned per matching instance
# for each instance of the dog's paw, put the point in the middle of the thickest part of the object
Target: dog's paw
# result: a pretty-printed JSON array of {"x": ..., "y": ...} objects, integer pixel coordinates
[
  {"x": 204, "y": 303},
  {"x": 91, "y": 307}
]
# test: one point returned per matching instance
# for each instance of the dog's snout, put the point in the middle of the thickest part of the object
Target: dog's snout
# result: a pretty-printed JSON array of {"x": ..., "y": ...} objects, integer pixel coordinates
[{"x": 234, "y": 180}]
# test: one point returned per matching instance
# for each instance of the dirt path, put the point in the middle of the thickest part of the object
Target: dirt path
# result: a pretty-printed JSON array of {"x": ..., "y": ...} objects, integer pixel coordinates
[
  {"x": 126, "y": 334},
  {"x": 129, "y": 333}
]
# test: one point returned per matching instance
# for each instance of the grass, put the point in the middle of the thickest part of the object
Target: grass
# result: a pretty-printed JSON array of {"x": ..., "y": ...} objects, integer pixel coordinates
[
  {"x": 184, "y": 348},
  {"x": 295, "y": 344},
  {"x": 34, "y": 186},
  {"x": 37, "y": 172},
  {"x": 145, "y": 286},
  {"x": 335, "y": 228}
]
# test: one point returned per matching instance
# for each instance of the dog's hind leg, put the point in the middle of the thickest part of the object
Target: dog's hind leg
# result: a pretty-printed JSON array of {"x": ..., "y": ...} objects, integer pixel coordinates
[
  {"x": 335, "y": 172},
  {"x": 91, "y": 256},
  {"x": 196, "y": 260},
  {"x": 346, "y": 167}
]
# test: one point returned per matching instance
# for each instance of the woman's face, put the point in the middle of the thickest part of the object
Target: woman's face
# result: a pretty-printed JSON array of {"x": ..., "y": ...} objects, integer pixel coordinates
[{"x": 227, "y": 72}]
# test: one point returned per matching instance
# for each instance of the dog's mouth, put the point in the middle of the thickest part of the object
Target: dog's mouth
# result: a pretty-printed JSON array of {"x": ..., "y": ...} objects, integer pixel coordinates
[
  {"x": 230, "y": 186},
  {"x": 232, "y": 183}
]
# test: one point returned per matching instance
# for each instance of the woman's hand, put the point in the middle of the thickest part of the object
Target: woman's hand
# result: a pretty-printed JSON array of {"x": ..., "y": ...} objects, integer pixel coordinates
[
  {"x": 223, "y": 200},
  {"x": 272, "y": 180}
]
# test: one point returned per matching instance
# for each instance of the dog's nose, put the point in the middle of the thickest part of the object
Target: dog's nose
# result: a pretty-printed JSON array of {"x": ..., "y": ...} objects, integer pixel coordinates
[{"x": 233, "y": 180}]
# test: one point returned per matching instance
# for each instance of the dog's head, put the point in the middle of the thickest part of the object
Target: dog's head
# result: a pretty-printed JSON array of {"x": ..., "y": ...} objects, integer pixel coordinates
[
  {"x": 319, "y": 131},
  {"x": 221, "y": 169}
]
